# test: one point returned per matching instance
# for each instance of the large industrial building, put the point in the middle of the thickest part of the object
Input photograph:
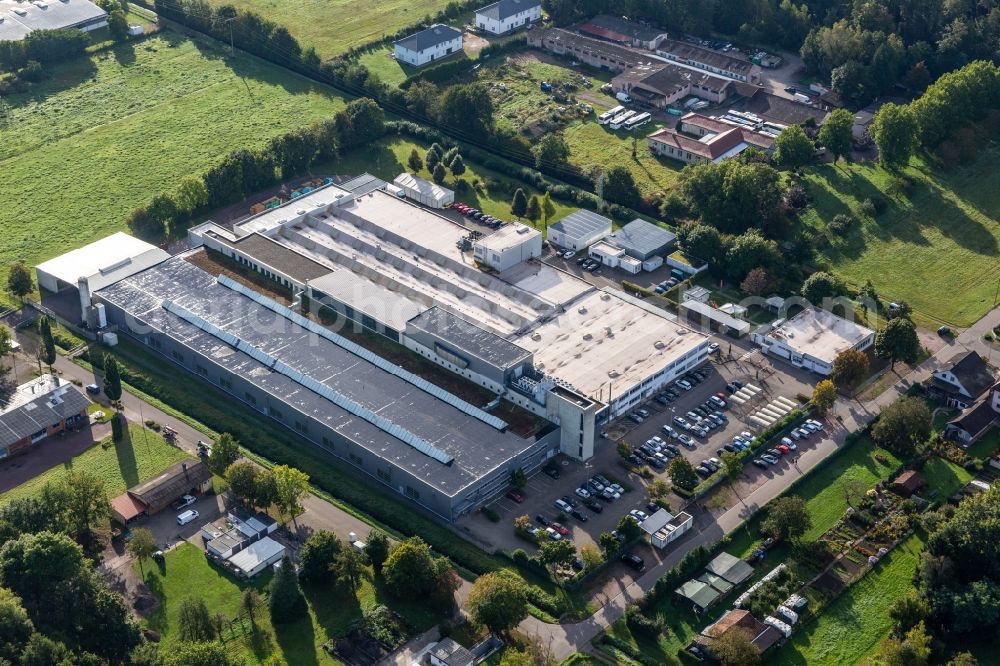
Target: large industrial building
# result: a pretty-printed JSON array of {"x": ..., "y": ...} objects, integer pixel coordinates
[
  {"x": 19, "y": 18},
  {"x": 536, "y": 337}
]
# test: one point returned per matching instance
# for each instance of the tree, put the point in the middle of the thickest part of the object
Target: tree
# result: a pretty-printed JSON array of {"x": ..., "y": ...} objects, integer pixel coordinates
[
  {"x": 141, "y": 546},
  {"x": 702, "y": 241},
  {"x": 457, "y": 166},
  {"x": 904, "y": 425},
  {"x": 824, "y": 395},
  {"x": 87, "y": 501},
  {"x": 43, "y": 651},
  {"x": 225, "y": 451},
  {"x": 682, "y": 473},
  {"x": 658, "y": 489},
  {"x": 757, "y": 282},
  {"x": 534, "y": 209},
  {"x": 550, "y": 151},
  {"x": 820, "y": 286},
  {"x": 348, "y": 568},
  {"x": 468, "y": 109},
  {"x": 432, "y": 159},
  {"x": 732, "y": 467},
  {"x": 735, "y": 648},
  {"x": 609, "y": 543},
  {"x": 732, "y": 196},
  {"x": 837, "y": 133},
  {"x": 242, "y": 477},
  {"x": 439, "y": 174},
  {"x": 265, "y": 491},
  {"x": 894, "y": 131},
  {"x": 409, "y": 571},
  {"x": 628, "y": 528},
  {"x": 117, "y": 427},
  {"x": 519, "y": 204},
  {"x": 498, "y": 600},
  {"x": 518, "y": 479},
  {"x": 548, "y": 209},
  {"x": 19, "y": 282},
  {"x": 377, "y": 549},
  {"x": 897, "y": 341},
  {"x": 962, "y": 659},
  {"x": 913, "y": 650},
  {"x": 118, "y": 25},
  {"x": 868, "y": 297},
  {"x": 192, "y": 195},
  {"x": 194, "y": 623},
  {"x": 850, "y": 368},
  {"x": 591, "y": 557},
  {"x": 360, "y": 123},
  {"x": 286, "y": 602},
  {"x": 422, "y": 98},
  {"x": 250, "y": 603},
  {"x": 787, "y": 518},
  {"x": 619, "y": 187},
  {"x": 112, "y": 378},
  {"x": 15, "y": 626},
  {"x": 414, "y": 161},
  {"x": 47, "y": 350},
  {"x": 751, "y": 250},
  {"x": 907, "y": 611},
  {"x": 292, "y": 485},
  {"x": 554, "y": 553},
  {"x": 449, "y": 156},
  {"x": 318, "y": 555},
  {"x": 199, "y": 654},
  {"x": 792, "y": 148}
]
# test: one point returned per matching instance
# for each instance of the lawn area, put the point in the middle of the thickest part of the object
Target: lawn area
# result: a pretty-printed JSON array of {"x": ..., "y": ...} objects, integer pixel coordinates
[
  {"x": 944, "y": 477},
  {"x": 333, "y": 26},
  {"x": 521, "y": 103},
  {"x": 986, "y": 446},
  {"x": 387, "y": 158},
  {"x": 141, "y": 456},
  {"x": 939, "y": 250},
  {"x": 856, "y": 621},
  {"x": 187, "y": 572},
  {"x": 156, "y": 110}
]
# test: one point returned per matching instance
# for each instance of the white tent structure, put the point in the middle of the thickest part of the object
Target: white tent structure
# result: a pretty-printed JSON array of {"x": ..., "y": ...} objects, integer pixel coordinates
[{"x": 424, "y": 192}]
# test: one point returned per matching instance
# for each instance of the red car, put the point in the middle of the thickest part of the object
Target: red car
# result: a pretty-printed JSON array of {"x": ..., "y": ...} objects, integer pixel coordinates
[
  {"x": 559, "y": 528},
  {"x": 516, "y": 496},
  {"x": 722, "y": 396},
  {"x": 783, "y": 448}
]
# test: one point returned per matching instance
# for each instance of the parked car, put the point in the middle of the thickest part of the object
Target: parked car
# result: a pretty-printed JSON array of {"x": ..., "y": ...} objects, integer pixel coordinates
[
  {"x": 635, "y": 418},
  {"x": 789, "y": 443},
  {"x": 633, "y": 561},
  {"x": 703, "y": 471},
  {"x": 93, "y": 389},
  {"x": 686, "y": 441},
  {"x": 569, "y": 500},
  {"x": 569, "y": 254},
  {"x": 774, "y": 453},
  {"x": 550, "y": 471},
  {"x": 684, "y": 384},
  {"x": 635, "y": 460},
  {"x": 718, "y": 402},
  {"x": 802, "y": 432},
  {"x": 582, "y": 493},
  {"x": 638, "y": 515},
  {"x": 644, "y": 413},
  {"x": 514, "y": 495},
  {"x": 555, "y": 536},
  {"x": 681, "y": 422},
  {"x": 594, "y": 505},
  {"x": 670, "y": 432},
  {"x": 185, "y": 501},
  {"x": 610, "y": 494},
  {"x": 187, "y": 517},
  {"x": 693, "y": 416},
  {"x": 767, "y": 457},
  {"x": 563, "y": 531},
  {"x": 562, "y": 506},
  {"x": 542, "y": 520},
  {"x": 785, "y": 450},
  {"x": 760, "y": 463},
  {"x": 576, "y": 513},
  {"x": 652, "y": 508}
]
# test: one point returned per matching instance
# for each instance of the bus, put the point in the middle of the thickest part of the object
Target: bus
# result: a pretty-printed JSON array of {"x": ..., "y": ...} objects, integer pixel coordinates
[
  {"x": 637, "y": 121},
  {"x": 606, "y": 117},
  {"x": 619, "y": 120}
]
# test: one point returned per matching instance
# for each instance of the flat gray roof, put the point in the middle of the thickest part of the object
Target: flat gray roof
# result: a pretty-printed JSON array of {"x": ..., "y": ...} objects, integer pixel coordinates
[
  {"x": 468, "y": 338},
  {"x": 277, "y": 256},
  {"x": 393, "y": 308},
  {"x": 363, "y": 184},
  {"x": 264, "y": 339},
  {"x": 582, "y": 223},
  {"x": 642, "y": 239}
]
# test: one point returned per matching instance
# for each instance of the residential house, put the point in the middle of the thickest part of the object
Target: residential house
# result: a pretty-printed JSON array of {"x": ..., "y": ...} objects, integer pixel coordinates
[
  {"x": 39, "y": 409},
  {"x": 507, "y": 15},
  {"x": 961, "y": 381},
  {"x": 976, "y": 421},
  {"x": 699, "y": 138},
  {"x": 660, "y": 85},
  {"x": 622, "y": 31},
  {"x": 436, "y": 42},
  {"x": 593, "y": 52},
  {"x": 723, "y": 64}
]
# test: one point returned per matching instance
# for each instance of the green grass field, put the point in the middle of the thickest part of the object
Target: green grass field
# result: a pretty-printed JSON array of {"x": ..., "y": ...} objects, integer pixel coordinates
[
  {"x": 944, "y": 477},
  {"x": 939, "y": 250},
  {"x": 332, "y": 26},
  {"x": 186, "y": 572},
  {"x": 857, "y": 620},
  {"x": 141, "y": 456},
  {"x": 106, "y": 134},
  {"x": 387, "y": 159}
]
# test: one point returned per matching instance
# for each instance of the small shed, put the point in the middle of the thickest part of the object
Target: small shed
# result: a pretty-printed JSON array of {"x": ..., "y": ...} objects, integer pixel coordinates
[
  {"x": 908, "y": 483},
  {"x": 699, "y": 593},
  {"x": 730, "y": 567},
  {"x": 449, "y": 653},
  {"x": 424, "y": 192},
  {"x": 257, "y": 557}
]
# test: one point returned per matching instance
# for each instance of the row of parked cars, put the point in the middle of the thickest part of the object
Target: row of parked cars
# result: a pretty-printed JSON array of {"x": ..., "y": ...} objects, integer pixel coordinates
[
  {"x": 787, "y": 445},
  {"x": 589, "y": 265},
  {"x": 666, "y": 285},
  {"x": 478, "y": 215}
]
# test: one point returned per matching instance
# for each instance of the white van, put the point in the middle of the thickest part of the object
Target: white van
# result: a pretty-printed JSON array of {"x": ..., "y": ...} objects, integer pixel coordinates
[{"x": 187, "y": 517}]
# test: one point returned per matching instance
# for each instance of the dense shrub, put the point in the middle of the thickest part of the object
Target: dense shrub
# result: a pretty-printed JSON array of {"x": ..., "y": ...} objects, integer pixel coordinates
[{"x": 841, "y": 223}]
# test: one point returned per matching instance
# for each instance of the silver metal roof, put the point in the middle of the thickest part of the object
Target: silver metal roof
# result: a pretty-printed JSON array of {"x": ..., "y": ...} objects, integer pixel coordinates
[{"x": 582, "y": 223}]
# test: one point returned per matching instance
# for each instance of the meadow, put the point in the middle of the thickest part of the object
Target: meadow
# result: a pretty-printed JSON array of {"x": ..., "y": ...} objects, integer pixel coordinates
[
  {"x": 104, "y": 134},
  {"x": 139, "y": 457},
  {"x": 937, "y": 247},
  {"x": 332, "y": 26}
]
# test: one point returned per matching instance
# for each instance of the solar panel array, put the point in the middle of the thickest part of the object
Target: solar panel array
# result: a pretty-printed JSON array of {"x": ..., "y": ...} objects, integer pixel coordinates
[
  {"x": 333, "y": 396},
  {"x": 367, "y": 355}
]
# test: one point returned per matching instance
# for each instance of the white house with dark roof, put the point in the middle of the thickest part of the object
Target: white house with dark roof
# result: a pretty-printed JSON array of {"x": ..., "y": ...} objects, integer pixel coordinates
[
  {"x": 961, "y": 381},
  {"x": 506, "y": 15},
  {"x": 436, "y": 42}
]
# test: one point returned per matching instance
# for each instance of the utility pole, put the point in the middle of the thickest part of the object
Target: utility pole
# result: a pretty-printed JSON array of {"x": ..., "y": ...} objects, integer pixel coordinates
[{"x": 232, "y": 45}]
